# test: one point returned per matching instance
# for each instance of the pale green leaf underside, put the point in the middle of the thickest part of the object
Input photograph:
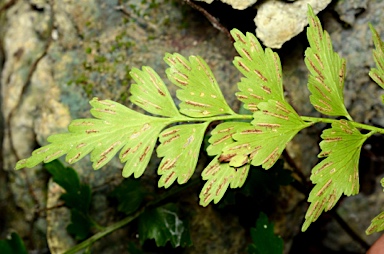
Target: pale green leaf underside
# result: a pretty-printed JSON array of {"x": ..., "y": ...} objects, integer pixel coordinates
[
  {"x": 377, "y": 224},
  {"x": 151, "y": 94},
  {"x": 180, "y": 147},
  {"x": 200, "y": 94},
  {"x": 222, "y": 136},
  {"x": 115, "y": 128},
  {"x": 377, "y": 74},
  {"x": 220, "y": 176},
  {"x": 262, "y": 71},
  {"x": 338, "y": 173},
  {"x": 274, "y": 125},
  {"x": 327, "y": 71}
]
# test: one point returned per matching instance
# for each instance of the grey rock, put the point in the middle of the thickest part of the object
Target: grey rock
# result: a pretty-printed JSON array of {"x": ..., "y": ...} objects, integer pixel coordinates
[{"x": 277, "y": 22}]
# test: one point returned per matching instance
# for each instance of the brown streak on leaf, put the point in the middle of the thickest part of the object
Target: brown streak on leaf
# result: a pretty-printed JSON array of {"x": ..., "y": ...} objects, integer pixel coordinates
[
  {"x": 83, "y": 123},
  {"x": 212, "y": 170},
  {"x": 178, "y": 58},
  {"x": 181, "y": 82},
  {"x": 221, "y": 185},
  {"x": 333, "y": 139},
  {"x": 242, "y": 65},
  {"x": 331, "y": 200},
  {"x": 342, "y": 74},
  {"x": 272, "y": 156},
  {"x": 91, "y": 131},
  {"x": 258, "y": 73},
  {"x": 80, "y": 145},
  {"x": 154, "y": 82},
  {"x": 254, "y": 152},
  {"x": 277, "y": 65},
  {"x": 169, "y": 177},
  {"x": 322, "y": 93},
  {"x": 110, "y": 148},
  {"x": 241, "y": 146},
  {"x": 251, "y": 131},
  {"x": 100, "y": 161},
  {"x": 134, "y": 150},
  {"x": 144, "y": 153},
  {"x": 225, "y": 130},
  {"x": 326, "y": 165},
  {"x": 164, "y": 134},
  {"x": 106, "y": 110},
  {"x": 48, "y": 157},
  {"x": 319, "y": 61},
  {"x": 281, "y": 106},
  {"x": 321, "y": 191},
  {"x": 123, "y": 155},
  {"x": 257, "y": 96},
  {"x": 315, "y": 69},
  {"x": 246, "y": 53},
  {"x": 240, "y": 38},
  {"x": 269, "y": 125},
  {"x": 197, "y": 104},
  {"x": 168, "y": 164},
  {"x": 322, "y": 109},
  {"x": 266, "y": 89},
  {"x": 266, "y": 112},
  {"x": 171, "y": 139},
  {"x": 312, "y": 208},
  {"x": 226, "y": 158},
  {"x": 74, "y": 158},
  {"x": 222, "y": 139}
]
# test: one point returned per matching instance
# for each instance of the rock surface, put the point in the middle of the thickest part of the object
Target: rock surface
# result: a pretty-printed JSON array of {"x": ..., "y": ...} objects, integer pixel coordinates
[
  {"x": 58, "y": 56},
  {"x": 277, "y": 22}
]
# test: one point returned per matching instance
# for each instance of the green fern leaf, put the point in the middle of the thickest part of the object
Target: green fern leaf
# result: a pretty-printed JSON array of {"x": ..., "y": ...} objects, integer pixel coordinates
[
  {"x": 151, "y": 94},
  {"x": 338, "y": 173},
  {"x": 274, "y": 125},
  {"x": 220, "y": 176},
  {"x": 377, "y": 224},
  {"x": 222, "y": 136},
  {"x": 262, "y": 71},
  {"x": 180, "y": 147},
  {"x": 115, "y": 128},
  {"x": 327, "y": 71},
  {"x": 377, "y": 74},
  {"x": 199, "y": 93}
]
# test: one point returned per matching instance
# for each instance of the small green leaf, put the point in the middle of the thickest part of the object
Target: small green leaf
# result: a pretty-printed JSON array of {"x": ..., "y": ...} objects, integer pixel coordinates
[
  {"x": 377, "y": 74},
  {"x": 222, "y": 136},
  {"x": 163, "y": 224},
  {"x": 199, "y": 93},
  {"x": 115, "y": 128},
  {"x": 130, "y": 194},
  {"x": 327, "y": 71},
  {"x": 151, "y": 94},
  {"x": 264, "y": 239},
  {"x": 180, "y": 147},
  {"x": 220, "y": 176},
  {"x": 262, "y": 71},
  {"x": 14, "y": 245},
  {"x": 274, "y": 125},
  {"x": 77, "y": 197},
  {"x": 338, "y": 173},
  {"x": 377, "y": 224},
  {"x": 80, "y": 226}
]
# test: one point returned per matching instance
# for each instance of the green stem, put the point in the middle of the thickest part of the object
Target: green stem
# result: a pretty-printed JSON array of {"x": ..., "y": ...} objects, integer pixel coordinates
[
  {"x": 127, "y": 220},
  {"x": 314, "y": 120},
  {"x": 211, "y": 119}
]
